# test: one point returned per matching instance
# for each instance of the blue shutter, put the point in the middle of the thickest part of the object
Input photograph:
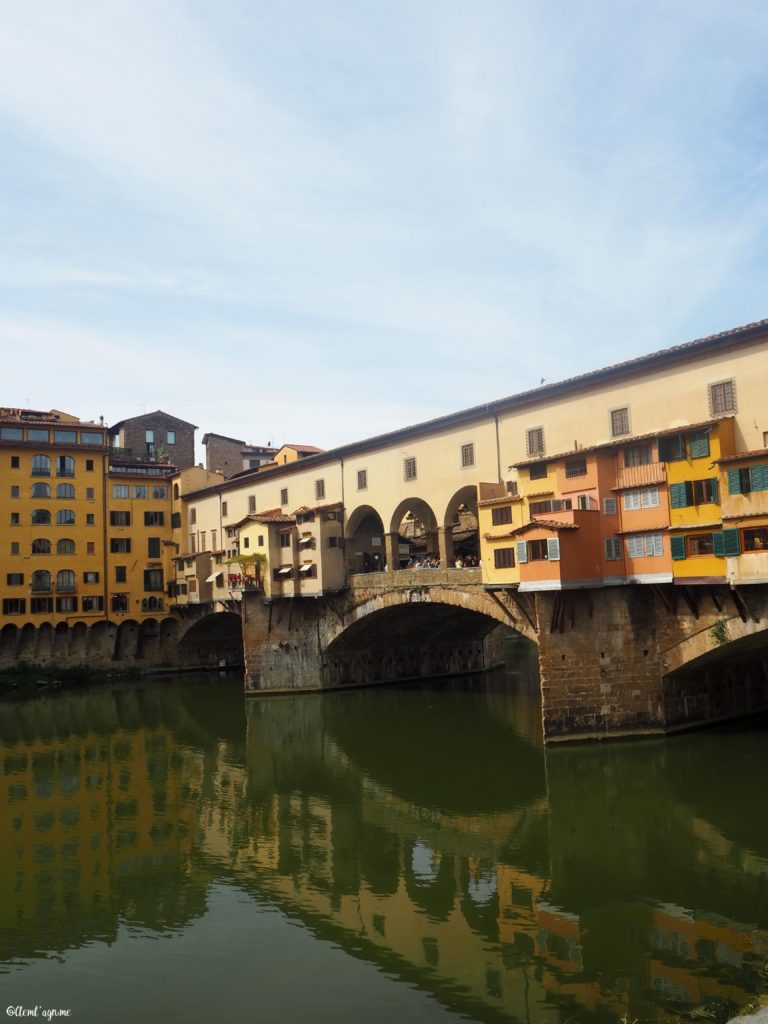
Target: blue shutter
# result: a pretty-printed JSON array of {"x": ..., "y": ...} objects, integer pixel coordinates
[
  {"x": 731, "y": 543},
  {"x": 698, "y": 444},
  {"x": 522, "y": 551},
  {"x": 678, "y": 496},
  {"x": 758, "y": 478},
  {"x": 553, "y": 549},
  {"x": 718, "y": 544},
  {"x": 715, "y": 491},
  {"x": 734, "y": 481},
  {"x": 678, "y": 547}
]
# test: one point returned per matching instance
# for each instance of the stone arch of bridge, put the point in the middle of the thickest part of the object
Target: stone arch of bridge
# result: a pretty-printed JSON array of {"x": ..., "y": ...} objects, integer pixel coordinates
[
  {"x": 459, "y": 525},
  {"x": 215, "y": 640},
  {"x": 364, "y": 540},
  {"x": 474, "y": 613},
  {"x": 413, "y": 522},
  {"x": 730, "y": 639}
]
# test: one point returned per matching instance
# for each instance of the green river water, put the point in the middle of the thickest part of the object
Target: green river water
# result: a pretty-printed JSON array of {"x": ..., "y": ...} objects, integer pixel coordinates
[{"x": 172, "y": 852}]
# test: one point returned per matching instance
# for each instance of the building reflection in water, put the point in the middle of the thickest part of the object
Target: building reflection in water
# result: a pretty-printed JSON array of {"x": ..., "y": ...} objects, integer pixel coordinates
[{"x": 421, "y": 829}]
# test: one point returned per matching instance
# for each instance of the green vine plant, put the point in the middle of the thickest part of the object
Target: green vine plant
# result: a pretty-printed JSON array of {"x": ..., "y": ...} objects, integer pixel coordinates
[{"x": 719, "y": 632}]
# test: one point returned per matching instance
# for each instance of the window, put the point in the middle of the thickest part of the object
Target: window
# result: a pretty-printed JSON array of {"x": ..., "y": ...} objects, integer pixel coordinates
[
  {"x": 90, "y": 577},
  {"x": 41, "y": 605},
  {"x": 672, "y": 448},
  {"x": 610, "y": 506},
  {"x": 65, "y": 546},
  {"x": 512, "y": 488},
  {"x": 612, "y": 549},
  {"x": 65, "y": 491},
  {"x": 467, "y": 455},
  {"x": 65, "y": 517},
  {"x": 93, "y": 604},
  {"x": 65, "y": 436},
  {"x": 153, "y": 579},
  {"x": 362, "y": 479},
  {"x": 14, "y": 579},
  {"x": 538, "y": 508},
  {"x": 153, "y": 547},
  {"x": 246, "y": 542},
  {"x": 41, "y": 465},
  {"x": 213, "y": 540},
  {"x": 175, "y": 520},
  {"x": 90, "y": 548},
  {"x": 192, "y": 516},
  {"x": 14, "y": 606},
  {"x": 501, "y": 515},
  {"x": 120, "y": 518},
  {"x": 120, "y": 545},
  {"x": 34, "y": 434},
  {"x": 66, "y": 604},
  {"x": 65, "y": 581},
  {"x": 409, "y": 468},
  {"x": 41, "y": 581},
  {"x": 504, "y": 558},
  {"x": 698, "y": 444},
  {"x": 224, "y": 509},
  {"x": 41, "y": 546},
  {"x": 743, "y": 481},
  {"x": 159, "y": 491},
  {"x": 705, "y": 491},
  {"x": 702, "y": 544},
  {"x": 170, "y": 436},
  {"x": 319, "y": 489},
  {"x": 537, "y": 550},
  {"x": 538, "y": 472},
  {"x": 284, "y": 496},
  {"x": 251, "y": 502},
  {"x": 89, "y": 465},
  {"x": 645, "y": 545},
  {"x": 335, "y": 542},
  {"x": 65, "y": 466},
  {"x": 121, "y": 573},
  {"x": 119, "y": 602},
  {"x": 620, "y": 422},
  {"x": 40, "y": 490},
  {"x": 582, "y": 501},
  {"x": 260, "y": 541},
  {"x": 756, "y": 539},
  {"x": 638, "y": 455},
  {"x": 576, "y": 467},
  {"x": 641, "y": 497},
  {"x": 534, "y": 441},
  {"x": 15, "y": 519},
  {"x": 120, "y": 491},
  {"x": 90, "y": 493},
  {"x": 15, "y": 491},
  {"x": 140, "y": 491},
  {"x": 91, "y": 437},
  {"x": 285, "y": 540},
  {"x": 40, "y": 517},
  {"x": 14, "y": 547},
  {"x": 721, "y": 397},
  {"x": 90, "y": 519},
  {"x": 154, "y": 518},
  {"x": 12, "y": 434}
]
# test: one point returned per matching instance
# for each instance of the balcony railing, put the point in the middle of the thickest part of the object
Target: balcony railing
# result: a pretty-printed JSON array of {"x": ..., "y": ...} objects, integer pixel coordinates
[{"x": 641, "y": 476}]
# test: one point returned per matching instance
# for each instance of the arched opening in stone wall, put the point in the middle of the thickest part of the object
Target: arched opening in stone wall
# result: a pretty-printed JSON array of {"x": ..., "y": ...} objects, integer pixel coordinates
[
  {"x": 364, "y": 541},
  {"x": 215, "y": 641},
  {"x": 462, "y": 541},
  {"x": 78, "y": 641},
  {"x": 9, "y": 638},
  {"x": 127, "y": 640},
  {"x": 414, "y": 527}
]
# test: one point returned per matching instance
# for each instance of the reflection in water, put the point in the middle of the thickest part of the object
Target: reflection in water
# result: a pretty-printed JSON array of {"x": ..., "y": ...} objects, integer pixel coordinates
[{"x": 422, "y": 830}]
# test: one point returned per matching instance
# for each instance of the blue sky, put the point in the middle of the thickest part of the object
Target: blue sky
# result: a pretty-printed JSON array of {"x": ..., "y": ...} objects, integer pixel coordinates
[{"x": 316, "y": 221}]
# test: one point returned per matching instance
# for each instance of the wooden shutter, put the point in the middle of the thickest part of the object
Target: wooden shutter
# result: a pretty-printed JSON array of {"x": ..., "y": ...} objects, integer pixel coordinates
[
  {"x": 677, "y": 544},
  {"x": 553, "y": 549},
  {"x": 522, "y": 551},
  {"x": 678, "y": 495},
  {"x": 731, "y": 546}
]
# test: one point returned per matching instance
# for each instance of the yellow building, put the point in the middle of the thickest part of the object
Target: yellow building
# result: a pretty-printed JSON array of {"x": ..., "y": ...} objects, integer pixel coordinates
[
  {"x": 744, "y": 494},
  {"x": 52, "y": 537}
]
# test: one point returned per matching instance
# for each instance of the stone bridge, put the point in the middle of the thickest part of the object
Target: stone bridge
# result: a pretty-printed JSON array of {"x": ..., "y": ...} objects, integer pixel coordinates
[{"x": 613, "y": 661}]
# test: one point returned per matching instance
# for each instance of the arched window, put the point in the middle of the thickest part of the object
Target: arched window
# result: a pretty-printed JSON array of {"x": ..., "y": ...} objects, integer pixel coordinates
[
  {"x": 65, "y": 581},
  {"x": 41, "y": 490},
  {"x": 176, "y": 492},
  {"x": 41, "y": 517},
  {"x": 65, "y": 466},
  {"x": 41, "y": 465},
  {"x": 65, "y": 517},
  {"x": 40, "y": 546},
  {"x": 66, "y": 546},
  {"x": 65, "y": 491},
  {"x": 41, "y": 581}
]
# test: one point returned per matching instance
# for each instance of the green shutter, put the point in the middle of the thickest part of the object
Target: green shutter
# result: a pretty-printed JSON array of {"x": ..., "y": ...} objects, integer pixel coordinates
[
  {"x": 718, "y": 544},
  {"x": 678, "y": 547},
  {"x": 698, "y": 444},
  {"x": 731, "y": 543},
  {"x": 678, "y": 495},
  {"x": 758, "y": 478},
  {"x": 734, "y": 481},
  {"x": 715, "y": 491},
  {"x": 553, "y": 549}
]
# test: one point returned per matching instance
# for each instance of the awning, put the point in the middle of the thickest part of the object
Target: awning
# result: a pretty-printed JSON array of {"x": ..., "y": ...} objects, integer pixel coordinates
[
  {"x": 306, "y": 568},
  {"x": 305, "y": 540},
  {"x": 213, "y": 576},
  {"x": 287, "y": 569}
]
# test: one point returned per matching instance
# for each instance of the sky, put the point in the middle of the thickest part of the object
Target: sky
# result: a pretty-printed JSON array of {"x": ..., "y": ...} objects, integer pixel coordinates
[{"x": 314, "y": 222}]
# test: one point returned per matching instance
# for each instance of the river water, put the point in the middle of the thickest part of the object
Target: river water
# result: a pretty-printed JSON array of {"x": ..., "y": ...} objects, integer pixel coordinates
[{"x": 171, "y": 852}]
